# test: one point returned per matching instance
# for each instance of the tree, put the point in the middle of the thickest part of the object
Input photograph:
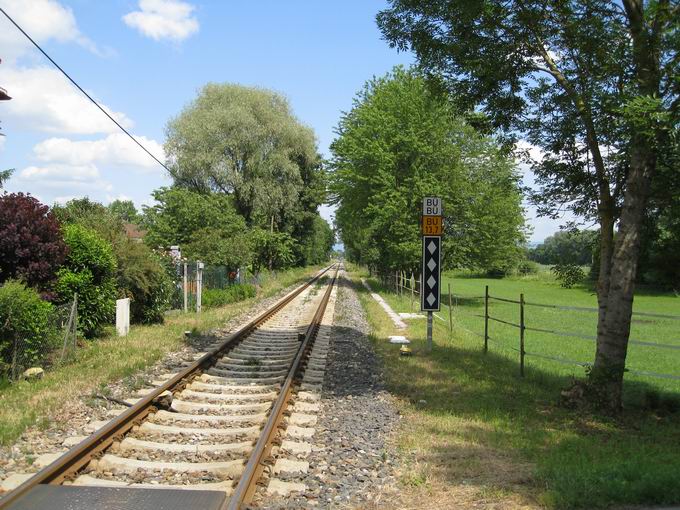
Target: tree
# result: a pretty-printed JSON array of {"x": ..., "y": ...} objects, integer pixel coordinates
[
  {"x": 402, "y": 141},
  {"x": 318, "y": 245},
  {"x": 31, "y": 247},
  {"x": 4, "y": 176},
  {"x": 93, "y": 215},
  {"x": 206, "y": 226},
  {"x": 593, "y": 84},
  {"x": 244, "y": 142},
  {"x": 125, "y": 210},
  {"x": 272, "y": 250}
]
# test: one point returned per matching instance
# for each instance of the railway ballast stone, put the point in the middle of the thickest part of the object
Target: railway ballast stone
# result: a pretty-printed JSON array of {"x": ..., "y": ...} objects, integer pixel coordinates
[{"x": 352, "y": 461}]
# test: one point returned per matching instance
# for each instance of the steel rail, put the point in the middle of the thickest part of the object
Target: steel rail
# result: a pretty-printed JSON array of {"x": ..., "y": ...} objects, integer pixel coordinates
[
  {"x": 247, "y": 484},
  {"x": 79, "y": 456}
]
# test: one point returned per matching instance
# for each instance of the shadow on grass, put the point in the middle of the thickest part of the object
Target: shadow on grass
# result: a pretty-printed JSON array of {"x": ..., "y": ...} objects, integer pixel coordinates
[
  {"x": 581, "y": 459},
  {"x": 476, "y": 422}
]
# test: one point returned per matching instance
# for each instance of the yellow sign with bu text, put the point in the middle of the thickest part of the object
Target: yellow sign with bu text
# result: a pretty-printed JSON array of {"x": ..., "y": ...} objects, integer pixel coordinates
[{"x": 433, "y": 225}]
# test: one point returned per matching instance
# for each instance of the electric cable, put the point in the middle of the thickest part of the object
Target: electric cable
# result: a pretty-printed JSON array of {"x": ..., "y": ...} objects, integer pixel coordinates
[{"x": 83, "y": 91}]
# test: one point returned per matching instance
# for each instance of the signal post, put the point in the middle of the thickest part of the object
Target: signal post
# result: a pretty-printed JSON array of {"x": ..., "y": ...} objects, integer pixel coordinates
[{"x": 430, "y": 280}]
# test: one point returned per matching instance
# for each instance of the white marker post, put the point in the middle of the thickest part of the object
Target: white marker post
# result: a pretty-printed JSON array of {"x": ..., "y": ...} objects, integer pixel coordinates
[
  {"x": 199, "y": 285},
  {"x": 123, "y": 316},
  {"x": 430, "y": 280}
]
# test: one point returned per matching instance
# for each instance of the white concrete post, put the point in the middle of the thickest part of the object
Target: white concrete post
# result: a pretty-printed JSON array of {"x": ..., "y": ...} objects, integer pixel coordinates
[
  {"x": 186, "y": 290},
  {"x": 199, "y": 284},
  {"x": 123, "y": 316}
]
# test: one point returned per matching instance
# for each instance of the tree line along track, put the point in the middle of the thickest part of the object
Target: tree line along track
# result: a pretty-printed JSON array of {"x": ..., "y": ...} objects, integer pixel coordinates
[{"x": 219, "y": 427}]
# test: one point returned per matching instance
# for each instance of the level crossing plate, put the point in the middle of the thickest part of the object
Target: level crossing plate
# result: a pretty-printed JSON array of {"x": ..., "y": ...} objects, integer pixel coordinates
[
  {"x": 431, "y": 277},
  {"x": 71, "y": 497}
]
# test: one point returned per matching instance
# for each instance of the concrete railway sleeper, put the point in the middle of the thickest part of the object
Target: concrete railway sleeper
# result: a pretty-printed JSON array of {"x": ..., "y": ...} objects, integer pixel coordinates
[{"x": 209, "y": 427}]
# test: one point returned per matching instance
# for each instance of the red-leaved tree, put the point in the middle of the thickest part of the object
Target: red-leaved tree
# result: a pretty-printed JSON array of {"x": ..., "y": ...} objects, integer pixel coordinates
[{"x": 31, "y": 245}]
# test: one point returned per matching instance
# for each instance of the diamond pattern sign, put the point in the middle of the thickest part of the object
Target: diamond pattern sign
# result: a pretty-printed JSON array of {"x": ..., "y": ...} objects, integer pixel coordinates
[{"x": 430, "y": 294}]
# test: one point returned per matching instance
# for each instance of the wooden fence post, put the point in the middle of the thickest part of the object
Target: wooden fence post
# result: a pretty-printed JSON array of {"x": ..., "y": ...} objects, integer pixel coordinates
[
  {"x": 521, "y": 335},
  {"x": 486, "y": 319},
  {"x": 412, "y": 283},
  {"x": 450, "y": 313}
]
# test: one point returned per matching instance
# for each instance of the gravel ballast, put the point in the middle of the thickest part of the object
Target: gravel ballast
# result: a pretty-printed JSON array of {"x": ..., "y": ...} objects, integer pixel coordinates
[{"x": 352, "y": 464}]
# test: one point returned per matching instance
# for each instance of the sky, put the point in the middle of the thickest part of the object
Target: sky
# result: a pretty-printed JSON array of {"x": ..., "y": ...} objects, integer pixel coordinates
[{"x": 144, "y": 60}]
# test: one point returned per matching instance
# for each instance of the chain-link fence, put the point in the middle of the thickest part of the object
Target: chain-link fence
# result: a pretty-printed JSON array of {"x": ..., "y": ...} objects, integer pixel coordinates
[
  {"x": 55, "y": 347},
  {"x": 192, "y": 276}
]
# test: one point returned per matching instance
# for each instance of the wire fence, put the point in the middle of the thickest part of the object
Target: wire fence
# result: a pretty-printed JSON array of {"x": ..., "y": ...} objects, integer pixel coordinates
[
  {"x": 193, "y": 277},
  {"x": 57, "y": 346},
  {"x": 654, "y": 340}
]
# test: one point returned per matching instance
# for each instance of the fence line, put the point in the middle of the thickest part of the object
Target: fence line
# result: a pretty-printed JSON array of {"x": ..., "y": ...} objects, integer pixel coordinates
[
  {"x": 414, "y": 288},
  {"x": 596, "y": 310}
]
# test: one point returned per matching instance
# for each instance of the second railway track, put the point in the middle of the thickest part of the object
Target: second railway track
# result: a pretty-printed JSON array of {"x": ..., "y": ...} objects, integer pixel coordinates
[{"x": 210, "y": 426}]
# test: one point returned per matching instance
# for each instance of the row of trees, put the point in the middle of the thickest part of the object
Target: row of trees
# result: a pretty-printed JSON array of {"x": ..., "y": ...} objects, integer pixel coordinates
[
  {"x": 404, "y": 140},
  {"x": 593, "y": 84},
  {"x": 566, "y": 247},
  {"x": 659, "y": 263}
]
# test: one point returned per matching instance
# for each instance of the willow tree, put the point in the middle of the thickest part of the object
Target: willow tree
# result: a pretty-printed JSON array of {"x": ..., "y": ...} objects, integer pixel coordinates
[
  {"x": 402, "y": 141},
  {"x": 594, "y": 84},
  {"x": 245, "y": 142}
]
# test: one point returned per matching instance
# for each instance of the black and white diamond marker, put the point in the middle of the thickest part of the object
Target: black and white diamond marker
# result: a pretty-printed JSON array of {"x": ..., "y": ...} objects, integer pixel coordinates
[{"x": 430, "y": 295}]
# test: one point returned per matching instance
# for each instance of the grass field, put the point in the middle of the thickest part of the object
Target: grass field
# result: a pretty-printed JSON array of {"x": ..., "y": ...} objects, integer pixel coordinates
[
  {"x": 543, "y": 289},
  {"x": 475, "y": 433},
  {"x": 111, "y": 358}
]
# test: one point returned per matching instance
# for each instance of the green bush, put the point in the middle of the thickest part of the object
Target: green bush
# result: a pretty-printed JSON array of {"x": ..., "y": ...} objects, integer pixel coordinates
[
  {"x": 89, "y": 270},
  {"x": 231, "y": 294},
  {"x": 26, "y": 317},
  {"x": 526, "y": 267},
  {"x": 143, "y": 278},
  {"x": 568, "y": 274},
  {"x": 141, "y": 275}
]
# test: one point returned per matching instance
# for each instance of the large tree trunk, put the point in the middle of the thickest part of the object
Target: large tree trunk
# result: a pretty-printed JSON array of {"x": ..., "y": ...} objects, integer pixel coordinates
[{"x": 615, "y": 316}]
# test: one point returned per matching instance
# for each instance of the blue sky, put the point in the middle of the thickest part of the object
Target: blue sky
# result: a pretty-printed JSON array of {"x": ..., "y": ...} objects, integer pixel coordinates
[{"x": 144, "y": 60}]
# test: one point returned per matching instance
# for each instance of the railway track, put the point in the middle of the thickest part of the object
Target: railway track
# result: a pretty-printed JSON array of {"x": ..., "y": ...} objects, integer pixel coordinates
[{"x": 209, "y": 427}]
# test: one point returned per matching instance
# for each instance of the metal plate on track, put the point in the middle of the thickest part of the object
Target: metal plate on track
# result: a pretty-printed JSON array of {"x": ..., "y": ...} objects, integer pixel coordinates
[{"x": 66, "y": 497}]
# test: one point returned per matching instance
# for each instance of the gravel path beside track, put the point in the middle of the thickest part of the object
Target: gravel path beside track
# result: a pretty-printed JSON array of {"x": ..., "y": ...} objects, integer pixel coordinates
[{"x": 352, "y": 464}]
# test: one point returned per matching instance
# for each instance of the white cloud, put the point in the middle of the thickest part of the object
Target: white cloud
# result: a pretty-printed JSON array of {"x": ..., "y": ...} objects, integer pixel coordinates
[
  {"x": 43, "y": 99},
  {"x": 66, "y": 181},
  {"x": 116, "y": 149},
  {"x": 43, "y": 20},
  {"x": 163, "y": 19},
  {"x": 120, "y": 196},
  {"x": 2, "y": 143},
  {"x": 59, "y": 172}
]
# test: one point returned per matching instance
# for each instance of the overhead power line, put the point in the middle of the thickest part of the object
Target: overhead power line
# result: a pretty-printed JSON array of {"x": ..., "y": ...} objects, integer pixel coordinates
[{"x": 83, "y": 91}]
